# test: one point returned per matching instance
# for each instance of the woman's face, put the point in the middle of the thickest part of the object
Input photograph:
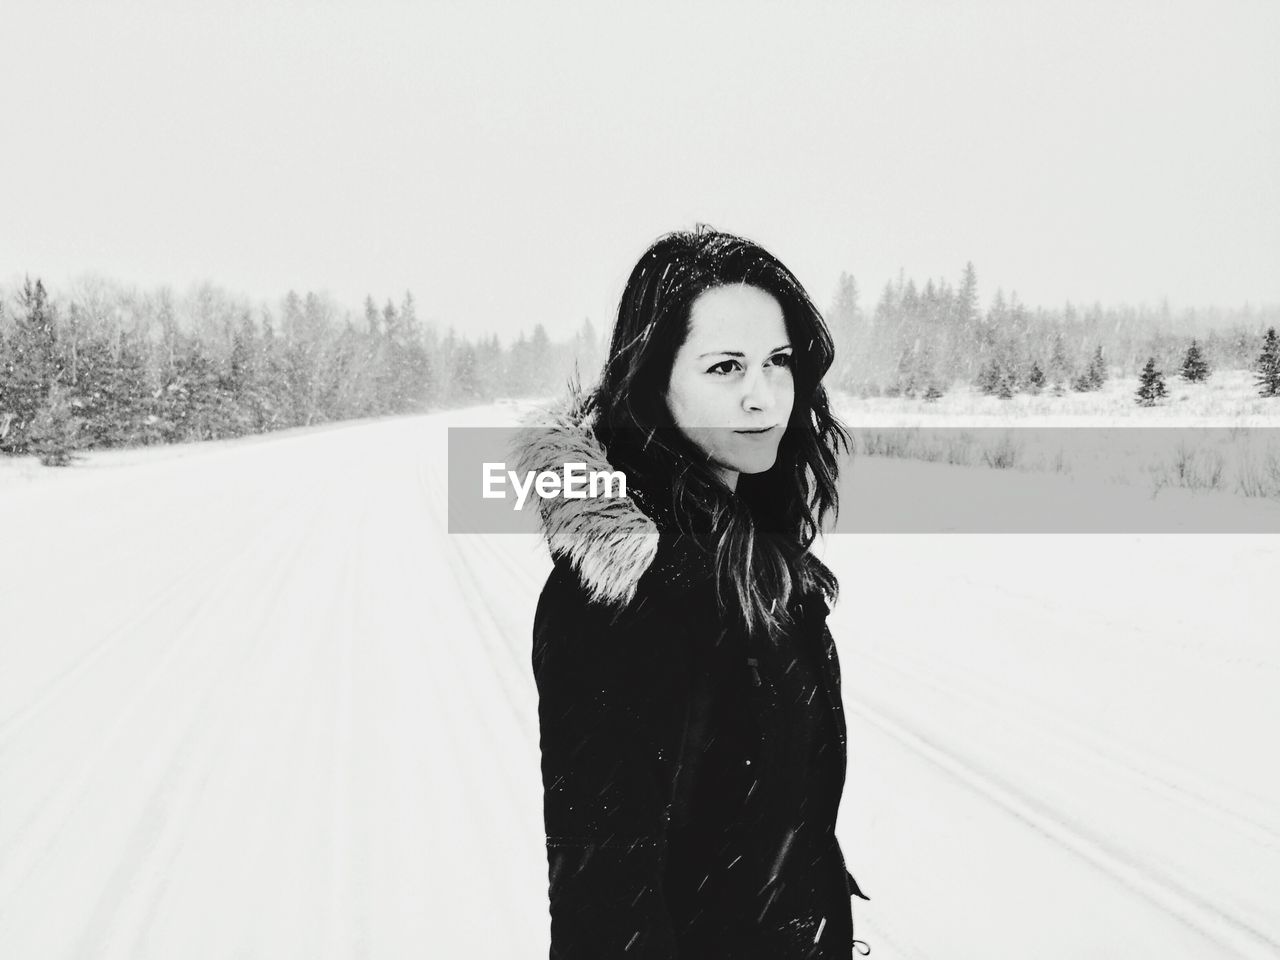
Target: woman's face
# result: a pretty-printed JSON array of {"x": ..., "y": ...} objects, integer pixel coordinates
[{"x": 731, "y": 376}]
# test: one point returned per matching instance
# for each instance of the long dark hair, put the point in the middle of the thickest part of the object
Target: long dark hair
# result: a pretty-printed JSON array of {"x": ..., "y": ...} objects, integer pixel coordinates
[{"x": 759, "y": 534}]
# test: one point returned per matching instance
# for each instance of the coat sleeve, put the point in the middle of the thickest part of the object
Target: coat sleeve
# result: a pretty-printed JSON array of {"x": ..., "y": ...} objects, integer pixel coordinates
[{"x": 610, "y": 705}]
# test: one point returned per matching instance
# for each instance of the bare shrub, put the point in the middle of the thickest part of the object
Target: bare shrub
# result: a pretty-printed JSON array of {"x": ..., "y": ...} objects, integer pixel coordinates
[
  {"x": 887, "y": 443},
  {"x": 960, "y": 449},
  {"x": 1004, "y": 454},
  {"x": 1259, "y": 474},
  {"x": 1190, "y": 468},
  {"x": 929, "y": 449}
]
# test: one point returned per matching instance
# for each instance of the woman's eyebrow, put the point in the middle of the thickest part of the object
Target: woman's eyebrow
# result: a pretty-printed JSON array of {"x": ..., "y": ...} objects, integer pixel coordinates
[{"x": 739, "y": 353}]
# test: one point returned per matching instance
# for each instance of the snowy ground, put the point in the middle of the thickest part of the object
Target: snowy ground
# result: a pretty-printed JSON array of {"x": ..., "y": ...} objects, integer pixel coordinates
[
  {"x": 255, "y": 702},
  {"x": 1213, "y": 436}
]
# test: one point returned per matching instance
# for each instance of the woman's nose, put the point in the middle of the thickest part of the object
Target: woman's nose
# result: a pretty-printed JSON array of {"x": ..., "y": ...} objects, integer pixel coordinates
[{"x": 757, "y": 392}]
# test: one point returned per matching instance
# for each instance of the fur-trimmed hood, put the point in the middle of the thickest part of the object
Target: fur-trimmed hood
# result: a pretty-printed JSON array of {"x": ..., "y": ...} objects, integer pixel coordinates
[{"x": 611, "y": 542}]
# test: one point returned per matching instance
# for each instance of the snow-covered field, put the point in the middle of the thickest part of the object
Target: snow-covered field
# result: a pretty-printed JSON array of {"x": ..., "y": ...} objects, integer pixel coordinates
[
  {"x": 256, "y": 702},
  {"x": 1215, "y": 436}
]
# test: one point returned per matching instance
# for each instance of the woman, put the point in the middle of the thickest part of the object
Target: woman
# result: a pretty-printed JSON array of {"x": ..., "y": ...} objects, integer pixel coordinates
[{"x": 693, "y": 741}]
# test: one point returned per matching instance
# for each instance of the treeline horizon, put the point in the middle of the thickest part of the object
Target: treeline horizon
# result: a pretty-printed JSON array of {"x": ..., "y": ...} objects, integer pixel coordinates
[
  {"x": 115, "y": 368},
  {"x": 917, "y": 339},
  {"x": 106, "y": 366}
]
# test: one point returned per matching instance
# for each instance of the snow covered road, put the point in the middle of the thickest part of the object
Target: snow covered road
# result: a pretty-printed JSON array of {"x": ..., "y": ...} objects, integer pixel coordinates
[{"x": 256, "y": 702}]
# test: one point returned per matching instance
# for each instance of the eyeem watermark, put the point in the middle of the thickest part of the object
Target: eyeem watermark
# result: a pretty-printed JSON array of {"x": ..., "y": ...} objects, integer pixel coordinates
[
  {"x": 574, "y": 482},
  {"x": 936, "y": 479}
]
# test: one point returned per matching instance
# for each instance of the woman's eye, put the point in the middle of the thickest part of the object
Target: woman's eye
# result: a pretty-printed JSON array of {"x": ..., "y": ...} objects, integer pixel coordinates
[{"x": 726, "y": 367}]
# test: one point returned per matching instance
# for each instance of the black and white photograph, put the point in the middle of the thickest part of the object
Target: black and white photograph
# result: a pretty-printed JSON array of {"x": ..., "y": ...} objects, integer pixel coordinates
[{"x": 615, "y": 481}]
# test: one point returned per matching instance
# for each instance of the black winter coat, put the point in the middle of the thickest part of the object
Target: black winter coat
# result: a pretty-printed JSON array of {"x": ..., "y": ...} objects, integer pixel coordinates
[{"x": 690, "y": 785}]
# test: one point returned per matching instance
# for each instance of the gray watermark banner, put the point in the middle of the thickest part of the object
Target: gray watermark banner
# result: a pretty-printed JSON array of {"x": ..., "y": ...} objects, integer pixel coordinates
[{"x": 941, "y": 480}]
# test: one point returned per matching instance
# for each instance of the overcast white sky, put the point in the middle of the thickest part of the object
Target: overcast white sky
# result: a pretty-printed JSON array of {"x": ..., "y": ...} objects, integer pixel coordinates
[{"x": 509, "y": 162}]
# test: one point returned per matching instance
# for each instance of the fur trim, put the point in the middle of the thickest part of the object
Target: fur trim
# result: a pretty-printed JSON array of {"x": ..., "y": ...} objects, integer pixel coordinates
[{"x": 610, "y": 541}]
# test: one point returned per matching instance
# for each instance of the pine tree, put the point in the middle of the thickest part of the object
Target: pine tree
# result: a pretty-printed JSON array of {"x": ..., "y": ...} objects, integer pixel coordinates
[
  {"x": 587, "y": 351},
  {"x": 417, "y": 377},
  {"x": 540, "y": 359},
  {"x": 301, "y": 355},
  {"x": 242, "y": 378},
  {"x": 380, "y": 364},
  {"x": 275, "y": 403},
  {"x": 932, "y": 394},
  {"x": 967, "y": 302},
  {"x": 1096, "y": 375},
  {"x": 1059, "y": 372},
  {"x": 519, "y": 378},
  {"x": 35, "y": 364},
  {"x": 128, "y": 399},
  {"x": 341, "y": 378},
  {"x": 465, "y": 378},
  {"x": 193, "y": 409},
  {"x": 884, "y": 325},
  {"x": 989, "y": 377},
  {"x": 7, "y": 416},
  {"x": 1194, "y": 368},
  {"x": 1151, "y": 386},
  {"x": 1268, "y": 366},
  {"x": 53, "y": 433},
  {"x": 1004, "y": 388},
  {"x": 442, "y": 350},
  {"x": 92, "y": 374},
  {"x": 305, "y": 350},
  {"x": 1035, "y": 379},
  {"x": 489, "y": 368}
]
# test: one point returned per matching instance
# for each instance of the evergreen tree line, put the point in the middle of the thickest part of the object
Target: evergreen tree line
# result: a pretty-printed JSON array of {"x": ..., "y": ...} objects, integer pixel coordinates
[
  {"x": 109, "y": 368},
  {"x": 1151, "y": 385},
  {"x": 921, "y": 341}
]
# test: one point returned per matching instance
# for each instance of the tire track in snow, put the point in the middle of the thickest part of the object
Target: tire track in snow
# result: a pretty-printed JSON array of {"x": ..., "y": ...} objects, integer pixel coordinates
[
  {"x": 469, "y": 741},
  {"x": 176, "y": 655},
  {"x": 151, "y": 849},
  {"x": 174, "y": 591},
  {"x": 985, "y": 695},
  {"x": 65, "y": 793},
  {"x": 347, "y": 908},
  {"x": 1102, "y": 624},
  {"x": 264, "y": 777},
  {"x": 1174, "y": 899},
  {"x": 476, "y": 601}
]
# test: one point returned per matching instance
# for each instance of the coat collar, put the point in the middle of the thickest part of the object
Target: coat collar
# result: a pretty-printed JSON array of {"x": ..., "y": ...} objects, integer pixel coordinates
[{"x": 619, "y": 546}]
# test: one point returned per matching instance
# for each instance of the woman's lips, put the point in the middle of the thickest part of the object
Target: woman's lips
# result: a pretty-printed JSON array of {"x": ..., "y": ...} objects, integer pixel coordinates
[{"x": 760, "y": 432}]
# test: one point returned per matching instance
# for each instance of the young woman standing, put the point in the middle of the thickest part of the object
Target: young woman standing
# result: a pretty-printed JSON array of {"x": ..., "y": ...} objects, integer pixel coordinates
[{"x": 692, "y": 732}]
